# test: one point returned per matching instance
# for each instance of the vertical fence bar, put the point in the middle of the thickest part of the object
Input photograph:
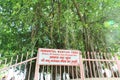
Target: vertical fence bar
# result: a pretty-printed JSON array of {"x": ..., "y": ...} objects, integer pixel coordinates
[
  {"x": 89, "y": 64},
  {"x": 60, "y": 73},
  {"x": 25, "y": 64},
  {"x": 56, "y": 76},
  {"x": 16, "y": 60},
  {"x": 81, "y": 68},
  {"x": 114, "y": 64},
  {"x": 97, "y": 64},
  {"x": 64, "y": 72},
  {"x": 29, "y": 70},
  {"x": 118, "y": 63},
  {"x": 86, "y": 66},
  {"x": 21, "y": 61},
  {"x": 93, "y": 63},
  {"x": 36, "y": 77},
  {"x": 11, "y": 61},
  {"x": 51, "y": 71},
  {"x": 68, "y": 71},
  {"x": 72, "y": 72},
  {"x": 104, "y": 63},
  {"x": 76, "y": 73}
]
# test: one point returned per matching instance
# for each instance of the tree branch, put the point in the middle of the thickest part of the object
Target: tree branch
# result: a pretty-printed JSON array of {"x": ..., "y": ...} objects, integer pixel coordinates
[{"x": 78, "y": 12}]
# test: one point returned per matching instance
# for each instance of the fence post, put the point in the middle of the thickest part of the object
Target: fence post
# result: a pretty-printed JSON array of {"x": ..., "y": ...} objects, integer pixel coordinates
[
  {"x": 81, "y": 68},
  {"x": 118, "y": 63},
  {"x": 36, "y": 76}
]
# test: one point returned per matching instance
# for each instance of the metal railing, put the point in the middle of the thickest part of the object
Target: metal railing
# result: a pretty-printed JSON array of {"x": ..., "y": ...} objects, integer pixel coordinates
[
  {"x": 93, "y": 66},
  {"x": 100, "y": 65},
  {"x": 17, "y": 68}
]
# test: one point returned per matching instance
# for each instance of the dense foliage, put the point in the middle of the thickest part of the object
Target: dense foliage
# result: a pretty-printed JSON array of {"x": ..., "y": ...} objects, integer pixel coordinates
[{"x": 86, "y": 25}]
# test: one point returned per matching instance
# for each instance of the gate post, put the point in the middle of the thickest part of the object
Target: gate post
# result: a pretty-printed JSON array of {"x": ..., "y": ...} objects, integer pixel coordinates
[
  {"x": 36, "y": 76},
  {"x": 81, "y": 68}
]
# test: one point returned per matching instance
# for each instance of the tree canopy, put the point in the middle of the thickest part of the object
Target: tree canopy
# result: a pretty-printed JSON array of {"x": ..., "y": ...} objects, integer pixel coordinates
[{"x": 86, "y": 25}]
